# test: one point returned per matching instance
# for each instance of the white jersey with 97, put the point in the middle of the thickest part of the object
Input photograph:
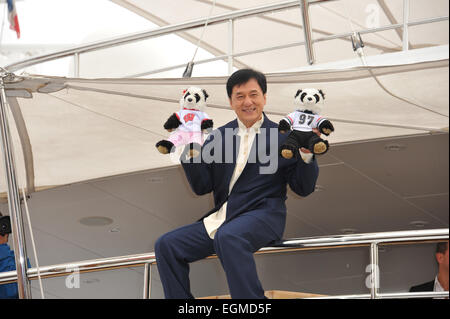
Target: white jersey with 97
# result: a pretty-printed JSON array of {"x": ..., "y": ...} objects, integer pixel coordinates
[{"x": 304, "y": 122}]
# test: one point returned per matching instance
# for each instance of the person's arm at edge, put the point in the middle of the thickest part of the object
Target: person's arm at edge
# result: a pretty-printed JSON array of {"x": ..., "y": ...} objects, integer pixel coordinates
[{"x": 9, "y": 264}]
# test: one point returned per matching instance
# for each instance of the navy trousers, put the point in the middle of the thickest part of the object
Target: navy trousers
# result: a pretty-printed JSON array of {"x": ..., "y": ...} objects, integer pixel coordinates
[{"x": 234, "y": 243}]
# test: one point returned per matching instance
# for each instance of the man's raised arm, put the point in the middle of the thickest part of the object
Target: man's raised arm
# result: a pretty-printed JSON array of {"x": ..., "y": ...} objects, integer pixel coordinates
[
  {"x": 302, "y": 177},
  {"x": 198, "y": 173}
]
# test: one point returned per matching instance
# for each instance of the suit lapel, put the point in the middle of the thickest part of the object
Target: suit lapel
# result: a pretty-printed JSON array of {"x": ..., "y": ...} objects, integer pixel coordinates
[{"x": 229, "y": 167}]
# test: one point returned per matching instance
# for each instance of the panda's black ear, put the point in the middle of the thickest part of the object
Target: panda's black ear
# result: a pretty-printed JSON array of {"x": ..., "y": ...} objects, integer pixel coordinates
[
  {"x": 205, "y": 93},
  {"x": 323, "y": 94},
  {"x": 298, "y": 92}
]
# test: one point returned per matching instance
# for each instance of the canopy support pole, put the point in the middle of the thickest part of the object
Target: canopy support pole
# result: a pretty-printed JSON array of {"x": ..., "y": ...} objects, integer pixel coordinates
[
  {"x": 147, "y": 281},
  {"x": 76, "y": 65},
  {"x": 304, "y": 6},
  {"x": 405, "y": 25},
  {"x": 374, "y": 271},
  {"x": 230, "y": 46},
  {"x": 15, "y": 209}
]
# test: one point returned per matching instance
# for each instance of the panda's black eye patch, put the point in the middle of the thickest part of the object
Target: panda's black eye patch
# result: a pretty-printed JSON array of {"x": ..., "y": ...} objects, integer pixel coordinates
[
  {"x": 197, "y": 97},
  {"x": 303, "y": 96},
  {"x": 317, "y": 98},
  {"x": 187, "y": 94}
]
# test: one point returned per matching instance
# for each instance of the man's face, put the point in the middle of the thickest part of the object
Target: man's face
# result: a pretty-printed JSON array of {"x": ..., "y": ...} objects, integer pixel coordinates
[
  {"x": 248, "y": 101},
  {"x": 4, "y": 239}
]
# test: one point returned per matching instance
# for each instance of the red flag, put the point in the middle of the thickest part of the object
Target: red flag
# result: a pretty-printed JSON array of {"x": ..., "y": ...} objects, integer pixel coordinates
[{"x": 12, "y": 17}]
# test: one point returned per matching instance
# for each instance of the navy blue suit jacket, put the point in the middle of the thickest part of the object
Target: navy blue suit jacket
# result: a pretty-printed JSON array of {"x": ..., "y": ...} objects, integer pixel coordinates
[
  {"x": 262, "y": 195},
  {"x": 428, "y": 286}
]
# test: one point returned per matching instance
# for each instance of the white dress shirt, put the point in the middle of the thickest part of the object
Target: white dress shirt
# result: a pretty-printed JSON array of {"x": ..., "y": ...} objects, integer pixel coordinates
[{"x": 247, "y": 135}]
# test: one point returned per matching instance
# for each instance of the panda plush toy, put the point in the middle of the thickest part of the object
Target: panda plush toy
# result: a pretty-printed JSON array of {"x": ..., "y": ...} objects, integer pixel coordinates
[
  {"x": 188, "y": 123},
  {"x": 302, "y": 122}
]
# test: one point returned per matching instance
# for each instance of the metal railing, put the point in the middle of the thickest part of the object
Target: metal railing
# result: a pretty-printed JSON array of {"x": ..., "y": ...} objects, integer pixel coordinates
[
  {"x": 228, "y": 18},
  {"x": 14, "y": 206},
  {"x": 372, "y": 240}
]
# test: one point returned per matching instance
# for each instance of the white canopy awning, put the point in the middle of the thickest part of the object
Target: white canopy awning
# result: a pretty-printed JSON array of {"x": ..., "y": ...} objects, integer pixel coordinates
[
  {"x": 283, "y": 29},
  {"x": 84, "y": 129}
]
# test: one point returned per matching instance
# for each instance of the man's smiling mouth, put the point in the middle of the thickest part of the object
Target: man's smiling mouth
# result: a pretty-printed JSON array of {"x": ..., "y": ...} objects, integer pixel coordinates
[{"x": 249, "y": 110}]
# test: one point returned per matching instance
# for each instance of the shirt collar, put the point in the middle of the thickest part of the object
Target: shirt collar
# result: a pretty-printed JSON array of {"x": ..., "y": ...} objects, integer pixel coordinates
[
  {"x": 437, "y": 285},
  {"x": 255, "y": 127}
]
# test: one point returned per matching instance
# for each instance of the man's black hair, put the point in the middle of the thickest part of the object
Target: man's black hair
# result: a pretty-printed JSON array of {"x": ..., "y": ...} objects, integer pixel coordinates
[
  {"x": 5, "y": 225},
  {"x": 243, "y": 76},
  {"x": 442, "y": 247}
]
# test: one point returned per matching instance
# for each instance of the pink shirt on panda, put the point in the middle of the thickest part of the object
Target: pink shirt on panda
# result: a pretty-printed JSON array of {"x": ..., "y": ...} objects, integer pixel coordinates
[
  {"x": 191, "y": 120},
  {"x": 190, "y": 129}
]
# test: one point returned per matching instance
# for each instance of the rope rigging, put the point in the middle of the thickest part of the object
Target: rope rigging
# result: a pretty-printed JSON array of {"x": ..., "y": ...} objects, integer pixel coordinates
[
  {"x": 358, "y": 47},
  {"x": 190, "y": 66}
]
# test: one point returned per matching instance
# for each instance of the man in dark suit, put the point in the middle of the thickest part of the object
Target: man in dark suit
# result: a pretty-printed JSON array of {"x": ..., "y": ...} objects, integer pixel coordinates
[
  {"x": 440, "y": 283},
  {"x": 239, "y": 163}
]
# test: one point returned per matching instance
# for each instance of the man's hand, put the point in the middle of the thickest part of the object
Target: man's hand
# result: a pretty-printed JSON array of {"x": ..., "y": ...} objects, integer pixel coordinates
[{"x": 305, "y": 150}]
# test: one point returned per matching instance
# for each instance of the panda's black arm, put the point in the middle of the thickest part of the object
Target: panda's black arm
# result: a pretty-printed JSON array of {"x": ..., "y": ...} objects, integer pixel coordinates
[
  {"x": 284, "y": 126},
  {"x": 326, "y": 127},
  {"x": 207, "y": 124},
  {"x": 172, "y": 122}
]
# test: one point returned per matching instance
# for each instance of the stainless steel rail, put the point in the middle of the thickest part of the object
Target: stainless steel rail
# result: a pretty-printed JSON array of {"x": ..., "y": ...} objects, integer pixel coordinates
[
  {"x": 372, "y": 240},
  {"x": 294, "y": 44},
  {"x": 390, "y": 296},
  {"x": 159, "y": 32},
  {"x": 222, "y": 18},
  {"x": 15, "y": 209},
  {"x": 405, "y": 37},
  {"x": 307, "y": 31}
]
